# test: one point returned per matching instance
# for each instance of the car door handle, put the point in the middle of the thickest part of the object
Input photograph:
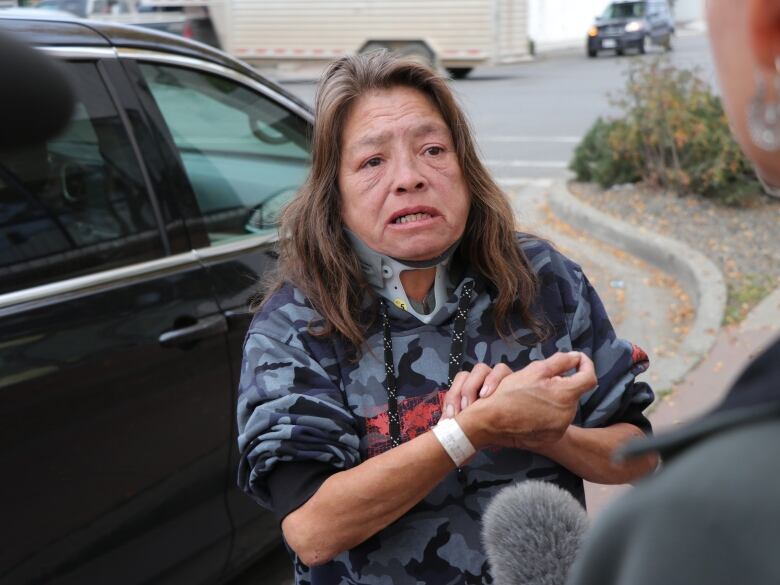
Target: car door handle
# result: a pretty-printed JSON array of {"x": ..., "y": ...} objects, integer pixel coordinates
[
  {"x": 238, "y": 313},
  {"x": 208, "y": 327}
]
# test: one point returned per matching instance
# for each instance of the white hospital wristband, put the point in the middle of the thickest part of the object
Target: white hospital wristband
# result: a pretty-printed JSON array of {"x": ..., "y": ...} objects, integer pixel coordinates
[{"x": 454, "y": 440}]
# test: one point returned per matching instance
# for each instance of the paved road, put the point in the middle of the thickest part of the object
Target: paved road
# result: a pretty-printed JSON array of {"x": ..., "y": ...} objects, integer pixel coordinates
[{"x": 529, "y": 117}]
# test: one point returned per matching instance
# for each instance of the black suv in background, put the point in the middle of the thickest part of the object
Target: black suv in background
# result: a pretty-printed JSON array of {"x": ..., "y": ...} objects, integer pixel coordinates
[
  {"x": 129, "y": 245},
  {"x": 632, "y": 25}
]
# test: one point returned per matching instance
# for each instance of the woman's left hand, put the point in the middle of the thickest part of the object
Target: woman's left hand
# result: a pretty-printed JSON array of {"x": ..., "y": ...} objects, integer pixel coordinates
[{"x": 467, "y": 387}]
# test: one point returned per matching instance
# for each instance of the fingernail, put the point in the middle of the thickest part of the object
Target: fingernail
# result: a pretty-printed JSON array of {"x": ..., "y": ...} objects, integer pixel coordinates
[
  {"x": 464, "y": 402},
  {"x": 574, "y": 353},
  {"x": 483, "y": 391},
  {"x": 449, "y": 411}
]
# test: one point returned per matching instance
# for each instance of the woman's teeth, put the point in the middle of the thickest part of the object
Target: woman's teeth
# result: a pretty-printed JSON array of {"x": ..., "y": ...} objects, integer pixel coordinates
[{"x": 412, "y": 217}]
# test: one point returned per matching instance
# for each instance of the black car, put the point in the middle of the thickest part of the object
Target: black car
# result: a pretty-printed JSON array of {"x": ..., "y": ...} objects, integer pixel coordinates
[
  {"x": 129, "y": 245},
  {"x": 632, "y": 26}
]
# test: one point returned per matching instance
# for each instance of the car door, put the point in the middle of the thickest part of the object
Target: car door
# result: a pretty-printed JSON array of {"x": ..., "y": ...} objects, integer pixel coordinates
[
  {"x": 115, "y": 408},
  {"x": 245, "y": 148}
]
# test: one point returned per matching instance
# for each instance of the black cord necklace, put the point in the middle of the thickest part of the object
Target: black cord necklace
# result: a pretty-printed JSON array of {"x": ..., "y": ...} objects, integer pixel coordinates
[{"x": 455, "y": 360}]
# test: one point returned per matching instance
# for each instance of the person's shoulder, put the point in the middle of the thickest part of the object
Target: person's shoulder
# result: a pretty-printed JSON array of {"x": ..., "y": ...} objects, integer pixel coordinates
[
  {"x": 738, "y": 454},
  {"x": 705, "y": 496},
  {"x": 545, "y": 258},
  {"x": 286, "y": 312},
  {"x": 730, "y": 470}
]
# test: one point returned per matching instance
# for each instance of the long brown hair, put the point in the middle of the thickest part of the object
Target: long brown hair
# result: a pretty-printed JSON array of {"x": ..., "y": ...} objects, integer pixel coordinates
[{"x": 315, "y": 254}]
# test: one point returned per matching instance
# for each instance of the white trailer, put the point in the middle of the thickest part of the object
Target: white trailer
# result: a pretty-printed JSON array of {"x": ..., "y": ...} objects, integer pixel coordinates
[{"x": 455, "y": 34}]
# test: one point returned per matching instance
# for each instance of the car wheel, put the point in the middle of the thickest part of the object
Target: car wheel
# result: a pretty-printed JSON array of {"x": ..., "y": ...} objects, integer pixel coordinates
[
  {"x": 592, "y": 54},
  {"x": 619, "y": 52},
  {"x": 459, "y": 72},
  {"x": 668, "y": 43}
]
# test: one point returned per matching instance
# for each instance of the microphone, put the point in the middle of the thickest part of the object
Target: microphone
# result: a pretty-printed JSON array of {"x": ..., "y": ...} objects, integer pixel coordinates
[
  {"x": 36, "y": 101},
  {"x": 532, "y": 532}
]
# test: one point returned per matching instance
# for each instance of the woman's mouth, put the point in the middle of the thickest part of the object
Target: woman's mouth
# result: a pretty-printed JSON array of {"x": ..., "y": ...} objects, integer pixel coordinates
[{"x": 412, "y": 217}]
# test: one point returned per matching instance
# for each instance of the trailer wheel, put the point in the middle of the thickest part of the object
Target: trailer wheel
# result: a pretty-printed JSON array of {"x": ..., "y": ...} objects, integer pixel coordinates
[
  {"x": 417, "y": 50},
  {"x": 459, "y": 72}
]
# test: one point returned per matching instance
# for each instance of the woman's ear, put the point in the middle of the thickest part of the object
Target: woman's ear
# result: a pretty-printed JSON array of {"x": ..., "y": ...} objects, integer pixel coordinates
[{"x": 764, "y": 32}]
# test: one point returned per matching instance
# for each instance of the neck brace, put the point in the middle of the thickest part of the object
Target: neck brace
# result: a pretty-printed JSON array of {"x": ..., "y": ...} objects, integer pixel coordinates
[{"x": 384, "y": 275}]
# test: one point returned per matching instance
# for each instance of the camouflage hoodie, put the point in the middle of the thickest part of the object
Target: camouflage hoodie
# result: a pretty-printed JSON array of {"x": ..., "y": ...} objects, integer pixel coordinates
[{"x": 307, "y": 409}]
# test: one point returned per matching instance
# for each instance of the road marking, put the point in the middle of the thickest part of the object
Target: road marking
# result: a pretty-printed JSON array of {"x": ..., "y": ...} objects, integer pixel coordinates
[
  {"x": 532, "y": 139},
  {"x": 528, "y": 164},
  {"x": 518, "y": 182}
]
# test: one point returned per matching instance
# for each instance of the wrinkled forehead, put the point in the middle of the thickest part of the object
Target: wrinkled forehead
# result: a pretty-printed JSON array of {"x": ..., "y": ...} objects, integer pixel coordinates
[{"x": 373, "y": 117}]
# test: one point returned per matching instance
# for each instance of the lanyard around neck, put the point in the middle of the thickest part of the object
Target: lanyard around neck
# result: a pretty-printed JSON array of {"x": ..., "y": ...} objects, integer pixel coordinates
[{"x": 454, "y": 362}]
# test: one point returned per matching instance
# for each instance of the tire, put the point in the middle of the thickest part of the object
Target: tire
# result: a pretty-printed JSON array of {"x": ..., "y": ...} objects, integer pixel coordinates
[
  {"x": 668, "y": 44},
  {"x": 459, "y": 72},
  {"x": 620, "y": 52},
  {"x": 592, "y": 54},
  {"x": 415, "y": 50},
  {"x": 416, "y": 54}
]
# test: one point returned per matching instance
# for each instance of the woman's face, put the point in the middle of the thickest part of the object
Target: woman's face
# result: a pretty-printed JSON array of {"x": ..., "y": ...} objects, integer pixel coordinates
[
  {"x": 402, "y": 188},
  {"x": 736, "y": 46}
]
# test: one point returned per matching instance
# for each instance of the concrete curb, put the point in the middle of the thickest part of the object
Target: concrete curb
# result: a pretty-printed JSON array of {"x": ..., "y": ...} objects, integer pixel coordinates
[
  {"x": 765, "y": 315},
  {"x": 698, "y": 275}
]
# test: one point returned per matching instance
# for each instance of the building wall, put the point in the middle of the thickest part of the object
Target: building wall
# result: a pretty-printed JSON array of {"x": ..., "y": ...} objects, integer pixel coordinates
[
  {"x": 689, "y": 10},
  {"x": 561, "y": 23}
]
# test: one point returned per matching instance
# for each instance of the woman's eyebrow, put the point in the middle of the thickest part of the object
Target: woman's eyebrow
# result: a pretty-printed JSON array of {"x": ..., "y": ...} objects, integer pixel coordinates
[
  {"x": 379, "y": 138},
  {"x": 371, "y": 140},
  {"x": 430, "y": 128}
]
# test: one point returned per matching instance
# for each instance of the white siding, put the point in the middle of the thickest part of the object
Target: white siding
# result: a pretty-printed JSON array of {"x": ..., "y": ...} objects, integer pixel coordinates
[
  {"x": 512, "y": 30},
  {"x": 559, "y": 23},
  {"x": 689, "y": 10},
  {"x": 471, "y": 30},
  {"x": 220, "y": 13}
]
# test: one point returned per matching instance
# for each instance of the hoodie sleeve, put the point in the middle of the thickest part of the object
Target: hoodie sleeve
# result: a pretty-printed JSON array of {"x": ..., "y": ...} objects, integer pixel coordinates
[
  {"x": 293, "y": 428},
  {"x": 581, "y": 323},
  {"x": 618, "y": 397}
]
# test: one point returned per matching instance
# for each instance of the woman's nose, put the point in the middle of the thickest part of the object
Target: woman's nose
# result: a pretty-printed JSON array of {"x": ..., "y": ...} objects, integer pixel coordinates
[{"x": 408, "y": 178}]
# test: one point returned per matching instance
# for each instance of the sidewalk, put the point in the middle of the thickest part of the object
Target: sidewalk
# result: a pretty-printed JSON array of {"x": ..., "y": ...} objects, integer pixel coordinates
[
  {"x": 645, "y": 305},
  {"x": 651, "y": 309}
]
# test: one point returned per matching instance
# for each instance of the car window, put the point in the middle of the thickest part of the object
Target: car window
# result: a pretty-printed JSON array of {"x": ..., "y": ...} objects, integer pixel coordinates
[
  {"x": 245, "y": 155},
  {"x": 75, "y": 204},
  {"x": 625, "y": 10}
]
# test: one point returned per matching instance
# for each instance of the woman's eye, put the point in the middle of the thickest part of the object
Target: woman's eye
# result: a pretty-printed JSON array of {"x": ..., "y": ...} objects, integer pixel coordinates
[
  {"x": 373, "y": 162},
  {"x": 435, "y": 150}
]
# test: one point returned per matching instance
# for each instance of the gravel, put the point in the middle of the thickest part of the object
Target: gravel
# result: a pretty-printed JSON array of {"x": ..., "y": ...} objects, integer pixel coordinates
[{"x": 743, "y": 242}]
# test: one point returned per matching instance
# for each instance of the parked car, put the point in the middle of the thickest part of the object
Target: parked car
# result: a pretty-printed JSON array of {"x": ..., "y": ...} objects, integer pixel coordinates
[
  {"x": 129, "y": 245},
  {"x": 124, "y": 12},
  {"x": 632, "y": 25}
]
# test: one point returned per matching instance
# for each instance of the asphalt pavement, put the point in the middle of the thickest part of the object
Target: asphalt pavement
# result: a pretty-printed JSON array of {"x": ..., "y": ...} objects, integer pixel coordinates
[{"x": 529, "y": 117}]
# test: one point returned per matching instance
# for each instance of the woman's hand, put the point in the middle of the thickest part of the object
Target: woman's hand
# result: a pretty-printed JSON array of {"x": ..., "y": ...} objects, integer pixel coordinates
[
  {"x": 534, "y": 406},
  {"x": 468, "y": 387}
]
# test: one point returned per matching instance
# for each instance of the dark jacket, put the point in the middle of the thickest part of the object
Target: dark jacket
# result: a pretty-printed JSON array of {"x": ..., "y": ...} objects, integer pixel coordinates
[{"x": 308, "y": 409}]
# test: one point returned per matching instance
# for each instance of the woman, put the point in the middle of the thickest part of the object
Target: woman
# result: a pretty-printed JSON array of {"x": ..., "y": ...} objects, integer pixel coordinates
[
  {"x": 713, "y": 515},
  {"x": 400, "y": 278}
]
